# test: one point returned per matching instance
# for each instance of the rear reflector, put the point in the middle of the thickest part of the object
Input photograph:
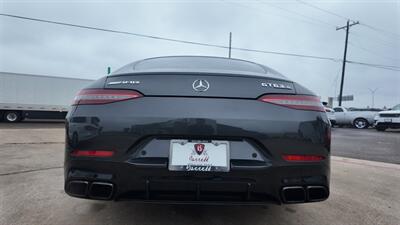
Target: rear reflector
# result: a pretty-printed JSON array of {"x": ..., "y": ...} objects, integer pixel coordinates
[
  {"x": 303, "y": 102},
  {"x": 92, "y": 153},
  {"x": 103, "y": 96},
  {"x": 303, "y": 158}
]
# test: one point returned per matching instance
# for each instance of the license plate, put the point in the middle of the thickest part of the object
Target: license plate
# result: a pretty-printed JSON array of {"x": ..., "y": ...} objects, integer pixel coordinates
[
  {"x": 388, "y": 120},
  {"x": 202, "y": 156}
]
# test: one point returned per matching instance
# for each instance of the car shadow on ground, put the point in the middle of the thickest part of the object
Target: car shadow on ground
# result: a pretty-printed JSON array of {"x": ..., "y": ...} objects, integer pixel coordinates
[
  {"x": 140, "y": 213},
  {"x": 393, "y": 131},
  {"x": 368, "y": 129}
]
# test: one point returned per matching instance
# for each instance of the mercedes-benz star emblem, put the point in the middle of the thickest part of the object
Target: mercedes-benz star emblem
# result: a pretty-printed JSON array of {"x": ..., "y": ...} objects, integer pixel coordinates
[{"x": 200, "y": 85}]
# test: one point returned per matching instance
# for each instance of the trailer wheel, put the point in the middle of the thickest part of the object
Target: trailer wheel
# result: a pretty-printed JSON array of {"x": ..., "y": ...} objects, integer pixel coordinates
[{"x": 12, "y": 116}]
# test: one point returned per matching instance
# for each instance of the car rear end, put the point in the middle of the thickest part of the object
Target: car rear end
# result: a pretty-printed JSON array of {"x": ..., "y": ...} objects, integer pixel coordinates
[
  {"x": 331, "y": 115},
  {"x": 244, "y": 140},
  {"x": 388, "y": 119}
]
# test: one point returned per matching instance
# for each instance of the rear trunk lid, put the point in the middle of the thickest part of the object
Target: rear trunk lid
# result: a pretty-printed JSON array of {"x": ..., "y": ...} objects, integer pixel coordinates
[{"x": 201, "y": 85}]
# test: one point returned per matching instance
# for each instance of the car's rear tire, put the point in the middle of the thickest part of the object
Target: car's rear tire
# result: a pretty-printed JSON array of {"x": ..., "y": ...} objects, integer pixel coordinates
[
  {"x": 381, "y": 128},
  {"x": 12, "y": 116},
  {"x": 360, "y": 123}
]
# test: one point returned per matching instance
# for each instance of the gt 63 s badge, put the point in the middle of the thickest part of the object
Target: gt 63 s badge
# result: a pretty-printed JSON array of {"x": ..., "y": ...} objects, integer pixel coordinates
[{"x": 276, "y": 85}]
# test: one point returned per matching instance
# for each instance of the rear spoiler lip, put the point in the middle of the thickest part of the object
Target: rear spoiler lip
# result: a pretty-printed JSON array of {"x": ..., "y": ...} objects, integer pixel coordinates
[{"x": 192, "y": 73}]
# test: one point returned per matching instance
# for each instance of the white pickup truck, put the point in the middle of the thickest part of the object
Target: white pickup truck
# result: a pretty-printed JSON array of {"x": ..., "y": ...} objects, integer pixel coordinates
[{"x": 358, "y": 119}]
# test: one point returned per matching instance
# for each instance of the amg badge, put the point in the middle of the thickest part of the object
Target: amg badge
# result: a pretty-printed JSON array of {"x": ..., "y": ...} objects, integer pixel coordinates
[{"x": 124, "y": 82}]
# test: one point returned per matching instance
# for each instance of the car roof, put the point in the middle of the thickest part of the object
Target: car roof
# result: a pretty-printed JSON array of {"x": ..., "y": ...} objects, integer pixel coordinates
[{"x": 198, "y": 64}]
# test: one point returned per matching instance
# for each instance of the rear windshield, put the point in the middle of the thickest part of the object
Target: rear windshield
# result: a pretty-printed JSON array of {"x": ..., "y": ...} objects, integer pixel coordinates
[{"x": 199, "y": 63}]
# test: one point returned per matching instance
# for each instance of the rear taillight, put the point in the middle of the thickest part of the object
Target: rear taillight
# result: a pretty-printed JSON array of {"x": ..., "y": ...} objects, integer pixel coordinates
[
  {"x": 303, "y": 102},
  {"x": 103, "y": 96},
  {"x": 92, "y": 153},
  {"x": 303, "y": 158}
]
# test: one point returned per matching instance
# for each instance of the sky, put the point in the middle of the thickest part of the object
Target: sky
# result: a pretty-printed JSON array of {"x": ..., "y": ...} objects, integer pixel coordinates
[{"x": 279, "y": 26}]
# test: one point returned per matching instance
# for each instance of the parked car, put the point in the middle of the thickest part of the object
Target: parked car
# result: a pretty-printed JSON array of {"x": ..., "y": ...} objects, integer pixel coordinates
[
  {"x": 331, "y": 115},
  {"x": 388, "y": 119},
  {"x": 195, "y": 129},
  {"x": 355, "y": 118}
]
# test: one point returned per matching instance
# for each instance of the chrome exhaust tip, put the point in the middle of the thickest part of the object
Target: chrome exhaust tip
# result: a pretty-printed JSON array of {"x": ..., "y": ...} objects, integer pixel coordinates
[
  {"x": 77, "y": 188},
  {"x": 293, "y": 194},
  {"x": 101, "y": 190},
  {"x": 317, "y": 193}
]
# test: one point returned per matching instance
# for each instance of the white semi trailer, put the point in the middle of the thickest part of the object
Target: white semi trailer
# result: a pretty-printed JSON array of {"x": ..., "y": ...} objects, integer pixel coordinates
[{"x": 26, "y": 96}]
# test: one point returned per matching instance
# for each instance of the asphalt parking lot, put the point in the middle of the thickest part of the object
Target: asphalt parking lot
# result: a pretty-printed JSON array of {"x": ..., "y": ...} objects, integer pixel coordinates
[
  {"x": 367, "y": 144},
  {"x": 363, "y": 191}
]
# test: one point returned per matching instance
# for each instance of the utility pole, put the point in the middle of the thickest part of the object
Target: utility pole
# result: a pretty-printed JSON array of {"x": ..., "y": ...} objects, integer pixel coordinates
[
  {"x": 230, "y": 44},
  {"x": 373, "y": 95},
  {"x": 347, "y": 27}
]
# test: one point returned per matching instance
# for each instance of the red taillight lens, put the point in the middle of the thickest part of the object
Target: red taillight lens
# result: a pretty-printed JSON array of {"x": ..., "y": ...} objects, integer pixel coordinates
[
  {"x": 103, "y": 96},
  {"x": 303, "y": 158},
  {"x": 303, "y": 102},
  {"x": 92, "y": 153}
]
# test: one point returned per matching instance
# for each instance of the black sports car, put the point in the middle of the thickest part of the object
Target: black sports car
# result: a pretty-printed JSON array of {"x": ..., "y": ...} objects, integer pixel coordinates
[{"x": 192, "y": 129}]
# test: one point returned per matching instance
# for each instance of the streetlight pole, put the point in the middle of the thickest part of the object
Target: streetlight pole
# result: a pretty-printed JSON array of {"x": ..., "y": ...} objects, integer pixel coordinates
[
  {"x": 230, "y": 44},
  {"x": 373, "y": 95}
]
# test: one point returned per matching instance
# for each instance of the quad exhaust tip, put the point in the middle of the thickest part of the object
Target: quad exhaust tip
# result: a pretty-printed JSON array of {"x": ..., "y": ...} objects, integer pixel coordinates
[
  {"x": 77, "y": 188},
  {"x": 299, "y": 194},
  {"x": 101, "y": 190},
  {"x": 317, "y": 193},
  {"x": 294, "y": 194},
  {"x": 94, "y": 190}
]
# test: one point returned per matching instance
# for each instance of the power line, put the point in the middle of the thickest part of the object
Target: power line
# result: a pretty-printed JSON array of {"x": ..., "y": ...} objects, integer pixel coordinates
[
  {"x": 372, "y": 52},
  {"x": 323, "y": 10},
  {"x": 311, "y": 18},
  {"x": 296, "y": 13},
  {"x": 112, "y": 31},
  {"x": 266, "y": 12},
  {"x": 382, "y": 42},
  {"x": 388, "y": 67},
  {"x": 288, "y": 54},
  {"x": 169, "y": 39},
  {"x": 380, "y": 30},
  {"x": 200, "y": 43},
  {"x": 376, "y": 40},
  {"x": 326, "y": 11}
]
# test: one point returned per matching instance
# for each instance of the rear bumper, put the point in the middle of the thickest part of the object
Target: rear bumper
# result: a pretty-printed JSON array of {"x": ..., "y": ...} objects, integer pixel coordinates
[
  {"x": 393, "y": 125},
  {"x": 238, "y": 186},
  {"x": 130, "y": 128}
]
